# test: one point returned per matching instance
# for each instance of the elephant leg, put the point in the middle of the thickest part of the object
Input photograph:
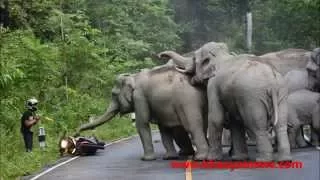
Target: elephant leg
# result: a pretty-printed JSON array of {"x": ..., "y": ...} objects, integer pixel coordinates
[
  {"x": 194, "y": 117},
  {"x": 315, "y": 133},
  {"x": 239, "y": 146},
  {"x": 182, "y": 139},
  {"x": 227, "y": 140},
  {"x": 142, "y": 124},
  {"x": 215, "y": 125},
  {"x": 300, "y": 141},
  {"x": 293, "y": 127},
  {"x": 167, "y": 141},
  {"x": 284, "y": 153},
  {"x": 226, "y": 137},
  {"x": 293, "y": 133},
  {"x": 231, "y": 151},
  {"x": 314, "y": 137},
  {"x": 251, "y": 138},
  {"x": 264, "y": 146},
  {"x": 255, "y": 116}
]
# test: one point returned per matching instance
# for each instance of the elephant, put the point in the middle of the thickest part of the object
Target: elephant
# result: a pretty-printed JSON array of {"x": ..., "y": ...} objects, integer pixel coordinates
[
  {"x": 300, "y": 79},
  {"x": 303, "y": 109},
  {"x": 287, "y": 59},
  {"x": 252, "y": 92},
  {"x": 291, "y": 63},
  {"x": 181, "y": 138},
  {"x": 166, "y": 97},
  {"x": 307, "y": 77},
  {"x": 313, "y": 67}
]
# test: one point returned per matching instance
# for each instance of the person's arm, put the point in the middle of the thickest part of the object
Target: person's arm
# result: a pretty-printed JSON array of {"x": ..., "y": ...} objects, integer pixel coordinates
[{"x": 31, "y": 121}]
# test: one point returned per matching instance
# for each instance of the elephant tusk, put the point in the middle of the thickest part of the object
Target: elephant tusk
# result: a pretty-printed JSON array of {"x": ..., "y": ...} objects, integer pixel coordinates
[{"x": 180, "y": 69}]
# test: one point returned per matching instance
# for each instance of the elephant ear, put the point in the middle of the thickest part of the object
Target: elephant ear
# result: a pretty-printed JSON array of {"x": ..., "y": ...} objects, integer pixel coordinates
[
  {"x": 130, "y": 84},
  {"x": 208, "y": 67},
  {"x": 209, "y": 72}
]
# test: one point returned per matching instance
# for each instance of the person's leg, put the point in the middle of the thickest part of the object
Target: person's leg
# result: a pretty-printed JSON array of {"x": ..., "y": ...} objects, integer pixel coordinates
[
  {"x": 24, "y": 135},
  {"x": 29, "y": 136}
]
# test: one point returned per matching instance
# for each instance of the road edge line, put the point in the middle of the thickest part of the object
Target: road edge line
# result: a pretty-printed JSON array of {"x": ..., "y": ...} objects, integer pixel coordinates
[
  {"x": 69, "y": 160},
  {"x": 52, "y": 168}
]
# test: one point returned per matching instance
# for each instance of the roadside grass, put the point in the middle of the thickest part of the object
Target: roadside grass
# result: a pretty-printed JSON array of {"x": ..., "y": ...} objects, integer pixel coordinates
[{"x": 14, "y": 162}]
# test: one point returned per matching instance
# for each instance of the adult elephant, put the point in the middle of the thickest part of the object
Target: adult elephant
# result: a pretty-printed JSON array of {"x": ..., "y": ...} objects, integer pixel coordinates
[
  {"x": 304, "y": 109},
  {"x": 299, "y": 79},
  {"x": 165, "y": 96},
  {"x": 252, "y": 92},
  {"x": 313, "y": 67},
  {"x": 306, "y": 77},
  {"x": 287, "y": 59}
]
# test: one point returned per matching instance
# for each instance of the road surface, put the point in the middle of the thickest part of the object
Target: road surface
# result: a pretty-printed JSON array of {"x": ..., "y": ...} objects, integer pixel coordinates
[{"x": 122, "y": 161}]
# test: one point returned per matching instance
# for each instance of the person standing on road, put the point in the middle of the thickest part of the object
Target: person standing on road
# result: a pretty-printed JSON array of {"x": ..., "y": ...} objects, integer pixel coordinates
[{"x": 28, "y": 120}]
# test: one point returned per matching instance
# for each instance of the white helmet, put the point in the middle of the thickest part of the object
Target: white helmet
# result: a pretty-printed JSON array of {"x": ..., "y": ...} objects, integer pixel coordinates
[{"x": 32, "y": 103}]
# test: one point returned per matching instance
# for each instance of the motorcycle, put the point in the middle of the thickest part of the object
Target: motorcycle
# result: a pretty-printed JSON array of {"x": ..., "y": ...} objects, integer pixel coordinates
[{"x": 79, "y": 145}]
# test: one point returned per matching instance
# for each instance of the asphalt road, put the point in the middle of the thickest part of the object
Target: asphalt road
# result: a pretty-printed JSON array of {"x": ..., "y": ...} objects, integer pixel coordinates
[{"x": 122, "y": 161}]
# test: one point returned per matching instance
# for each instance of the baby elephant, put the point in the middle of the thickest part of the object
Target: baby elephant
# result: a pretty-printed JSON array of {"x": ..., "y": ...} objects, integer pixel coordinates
[{"x": 304, "y": 109}]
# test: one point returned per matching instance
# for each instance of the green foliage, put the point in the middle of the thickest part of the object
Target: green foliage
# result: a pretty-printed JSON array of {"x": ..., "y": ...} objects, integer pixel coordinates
[
  {"x": 58, "y": 52},
  {"x": 277, "y": 24},
  {"x": 286, "y": 24},
  {"x": 134, "y": 29}
]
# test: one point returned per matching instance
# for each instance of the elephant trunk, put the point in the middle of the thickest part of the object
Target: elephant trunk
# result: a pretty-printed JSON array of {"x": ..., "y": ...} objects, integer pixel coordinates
[
  {"x": 184, "y": 64},
  {"x": 113, "y": 109}
]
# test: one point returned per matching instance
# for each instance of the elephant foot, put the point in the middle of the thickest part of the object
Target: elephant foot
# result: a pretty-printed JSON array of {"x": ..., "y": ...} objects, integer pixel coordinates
[
  {"x": 264, "y": 157},
  {"x": 260, "y": 159},
  {"x": 302, "y": 144},
  {"x": 170, "y": 156},
  {"x": 240, "y": 157},
  {"x": 284, "y": 158},
  {"x": 294, "y": 146},
  {"x": 215, "y": 157},
  {"x": 200, "y": 157},
  {"x": 148, "y": 157}
]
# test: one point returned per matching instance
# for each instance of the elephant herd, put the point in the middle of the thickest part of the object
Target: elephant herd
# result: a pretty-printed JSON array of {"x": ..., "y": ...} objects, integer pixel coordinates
[{"x": 194, "y": 98}]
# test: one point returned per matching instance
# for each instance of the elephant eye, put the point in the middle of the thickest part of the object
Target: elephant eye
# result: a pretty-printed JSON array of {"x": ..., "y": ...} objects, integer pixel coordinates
[{"x": 206, "y": 61}]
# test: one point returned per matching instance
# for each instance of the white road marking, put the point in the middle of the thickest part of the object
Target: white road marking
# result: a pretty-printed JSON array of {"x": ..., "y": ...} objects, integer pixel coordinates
[
  {"x": 69, "y": 160},
  {"x": 52, "y": 168}
]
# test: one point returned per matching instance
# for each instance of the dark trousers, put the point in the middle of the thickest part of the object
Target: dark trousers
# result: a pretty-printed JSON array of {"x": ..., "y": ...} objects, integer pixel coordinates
[{"x": 27, "y": 137}]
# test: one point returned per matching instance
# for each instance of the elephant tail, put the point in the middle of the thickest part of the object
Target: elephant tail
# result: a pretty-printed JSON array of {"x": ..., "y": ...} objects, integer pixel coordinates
[{"x": 274, "y": 96}]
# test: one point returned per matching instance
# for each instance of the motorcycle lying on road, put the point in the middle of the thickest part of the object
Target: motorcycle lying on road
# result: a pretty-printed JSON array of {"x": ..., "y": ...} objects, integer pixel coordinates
[{"x": 79, "y": 145}]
